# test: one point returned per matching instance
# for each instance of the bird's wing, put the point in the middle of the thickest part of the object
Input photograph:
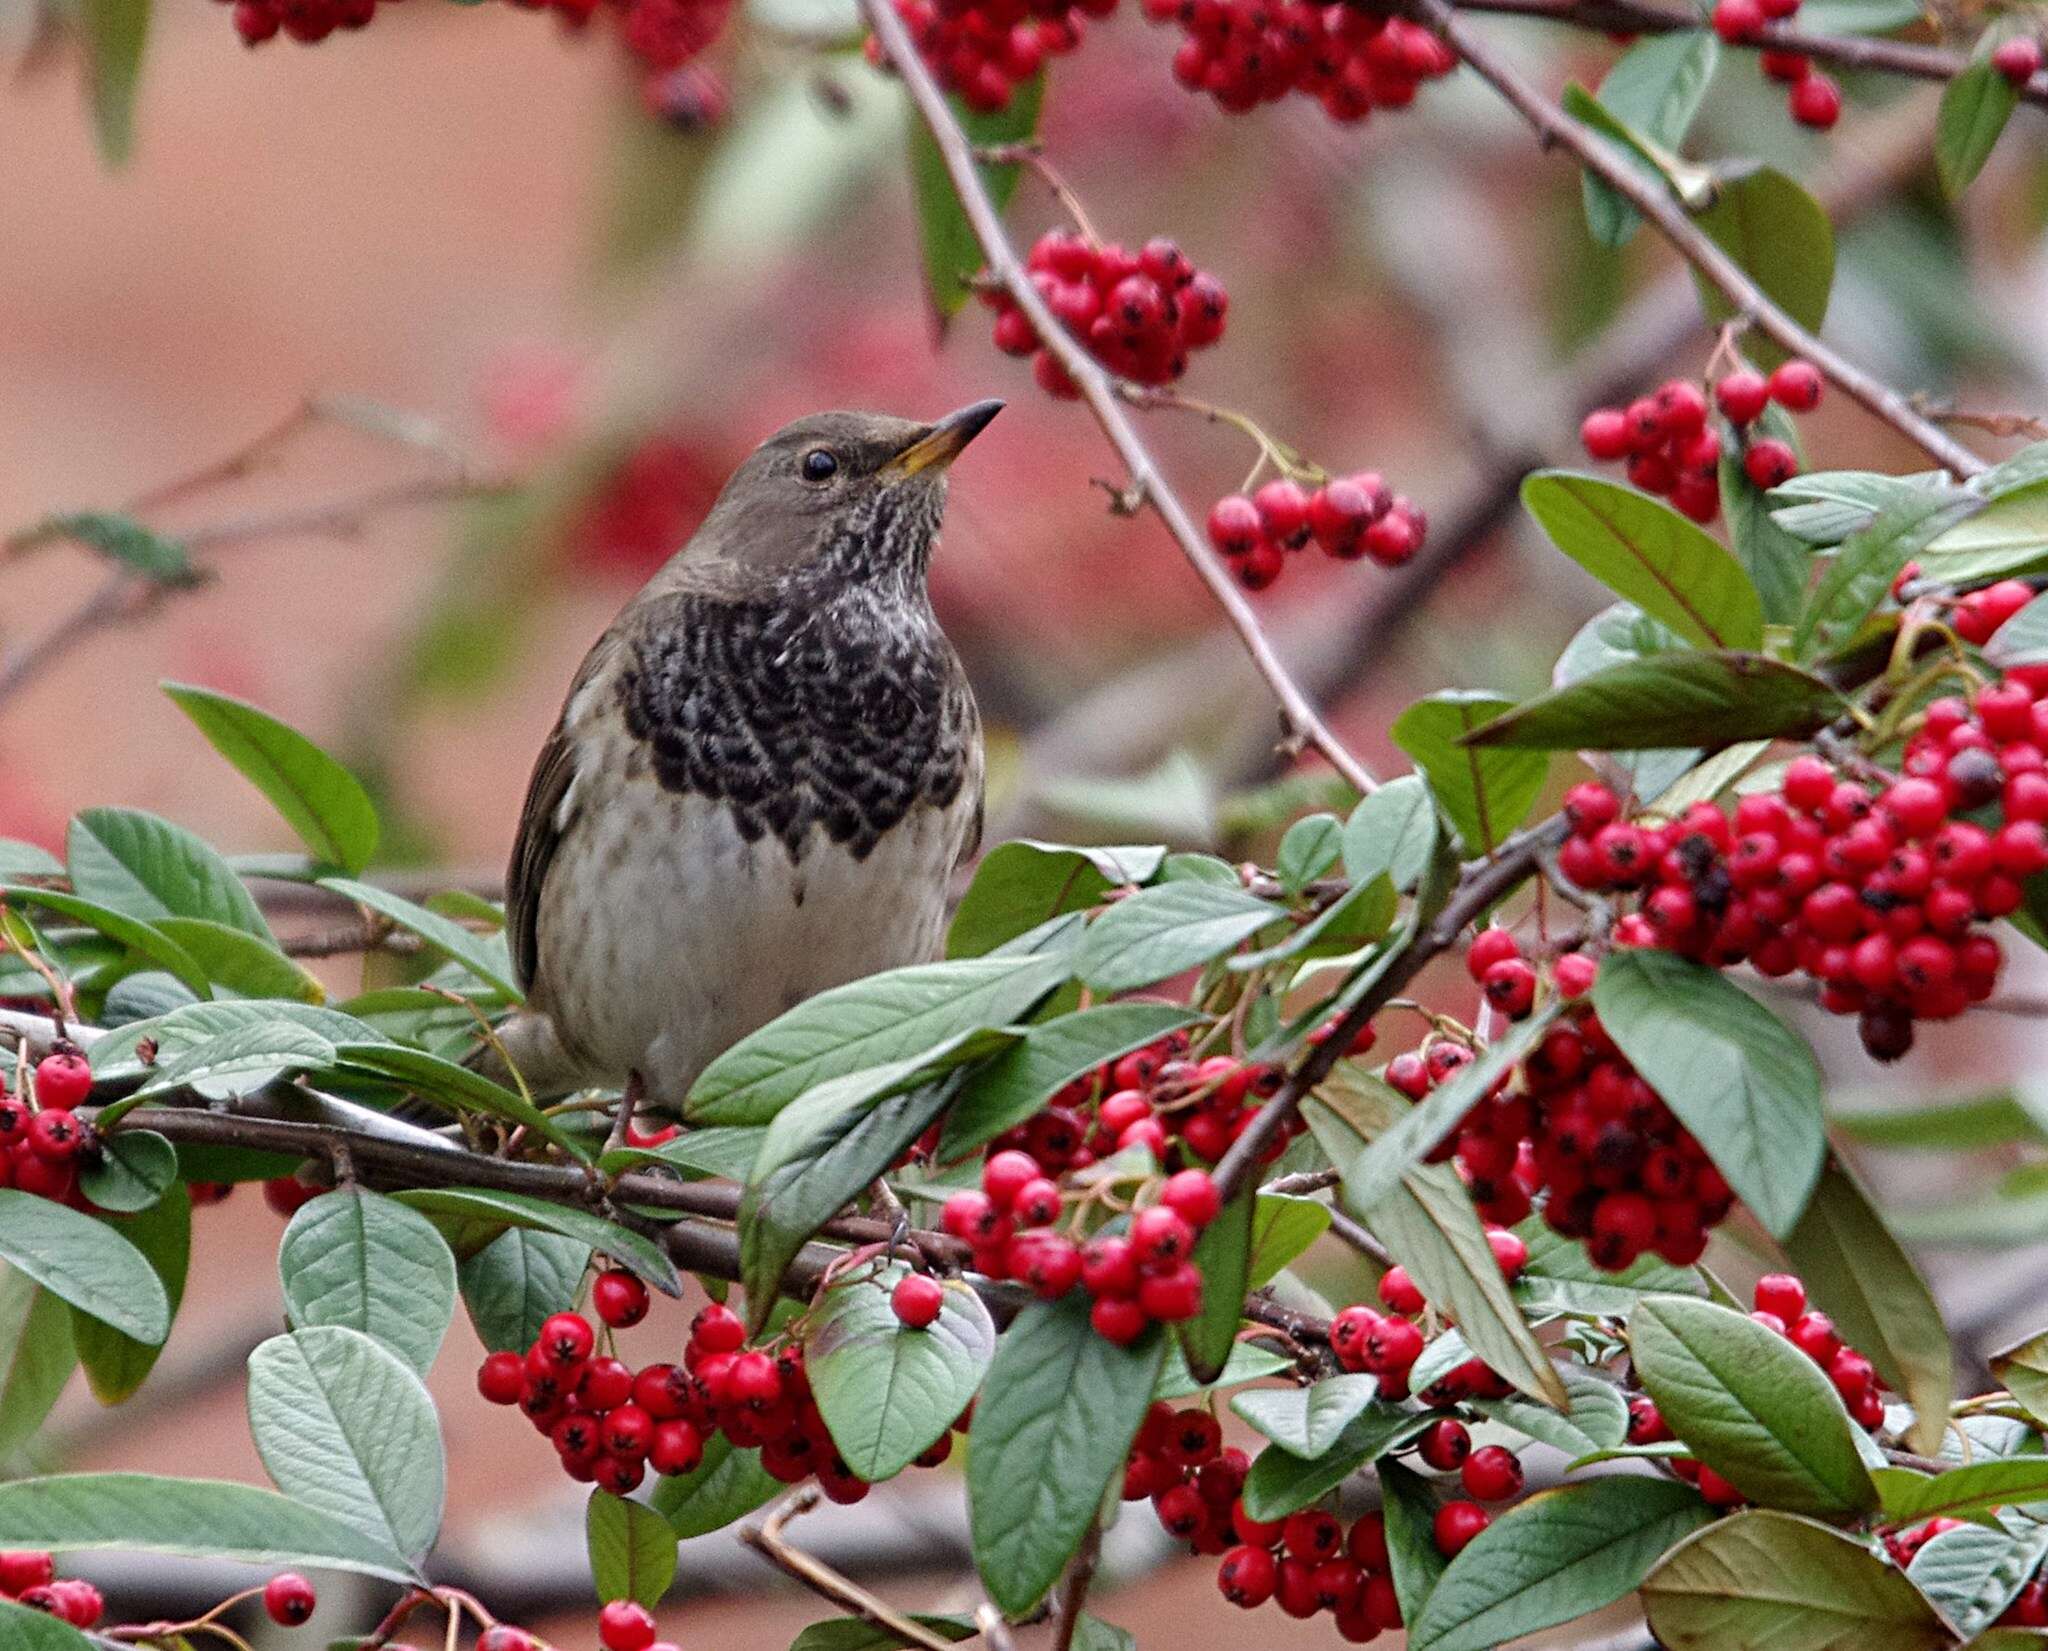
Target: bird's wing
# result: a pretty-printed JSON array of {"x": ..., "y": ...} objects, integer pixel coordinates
[{"x": 545, "y": 819}]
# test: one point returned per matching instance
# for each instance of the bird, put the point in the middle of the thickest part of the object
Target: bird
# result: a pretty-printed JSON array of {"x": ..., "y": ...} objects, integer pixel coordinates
[{"x": 763, "y": 775}]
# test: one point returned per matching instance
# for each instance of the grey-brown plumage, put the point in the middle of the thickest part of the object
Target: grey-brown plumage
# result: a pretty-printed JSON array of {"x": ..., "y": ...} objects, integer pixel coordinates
[{"x": 764, "y": 772}]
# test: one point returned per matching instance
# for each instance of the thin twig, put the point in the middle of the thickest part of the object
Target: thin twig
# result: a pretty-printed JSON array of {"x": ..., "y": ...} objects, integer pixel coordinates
[
  {"x": 1554, "y": 127},
  {"x": 1099, "y": 389},
  {"x": 1074, "y": 1594},
  {"x": 346, "y": 939},
  {"x": 993, "y": 1629},
  {"x": 1842, "y": 51},
  {"x": 767, "y": 1539}
]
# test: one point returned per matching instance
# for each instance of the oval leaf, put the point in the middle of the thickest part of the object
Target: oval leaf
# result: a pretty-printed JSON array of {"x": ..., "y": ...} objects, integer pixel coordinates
[
  {"x": 36, "y": 1356},
  {"x": 1974, "y": 109},
  {"x": 144, "y": 866},
  {"x": 516, "y": 1281},
  {"x": 888, "y": 1392},
  {"x": 367, "y": 1262},
  {"x": 727, "y": 1485},
  {"x": 1164, "y": 931},
  {"x": 1742, "y": 1081},
  {"x": 1484, "y": 794},
  {"x": 1306, "y": 1421},
  {"x": 512, "y": 1209},
  {"x": 345, "y": 1427},
  {"x": 632, "y": 1549},
  {"x": 1055, "y": 1418},
  {"x": 1751, "y": 1405},
  {"x": 116, "y": 1364},
  {"x": 1021, "y": 884},
  {"x": 1972, "y": 1573},
  {"x": 131, "y": 1171},
  {"x": 85, "y": 1262},
  {"x": 1676, "y": 699},
  {"x": 1781, "y": 237}
]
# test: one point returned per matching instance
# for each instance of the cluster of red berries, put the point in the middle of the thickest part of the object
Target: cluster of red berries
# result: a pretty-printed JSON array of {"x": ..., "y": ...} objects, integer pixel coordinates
[
  {"x": 1812, "y": 97},
  {"x": 1780, "y": 1303},
  {"x": 611, "y": 1424},
  {"x": 1878, "y": 894},
  {"x": 1668, "y": 446},
  {"x": 983, "y": 50},
  {"x": 1136, "y": 1277},
  {"x": 1138, "y": 313},
  {"x": 1387, "y": 1344},
  {"x": 29, "y": 1577},
  {"x": 1347, "y": 518},
  {"x": 41, "y": 1137},
  {"x": 1309, "y": 1563},
  {"x": 1351, "y": 59},
  {"x": 1978, "y": 614},
  {"x": 306, "y": 21}
]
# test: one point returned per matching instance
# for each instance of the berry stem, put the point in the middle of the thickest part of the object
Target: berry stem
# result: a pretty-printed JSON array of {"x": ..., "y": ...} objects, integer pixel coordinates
[
  {"x": 1555, "y": 128},
  {"x": 1074, "y": 1593},
  {"x": 767, "y": 1540},
  {"x": 1099, "y": 389},
  {"x": 1282, "y": 457},
  {"x": 1031, "y": 156}
]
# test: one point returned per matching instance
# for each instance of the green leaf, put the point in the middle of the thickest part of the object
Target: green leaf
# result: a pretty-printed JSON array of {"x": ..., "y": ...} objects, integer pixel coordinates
[
  {"x": 1247, "y": 1363},
  {"x": 1561, "y": 1278},
  {"x": 1431, "y": 1227},
  {"x": 869, "y": 1023},
  {"x": 36, "y": 1356},
  {"x": 1943, "y": 1126},
  {"x": 1281, "y": 1482},
  {"x": 952, "y": 253},
  {"x": 121, "y": 538},
  {"x": 1974, "y": 109},
  {"x": 116, "y": 31},
  {"x": 1643, "y": 550},
  {"x": 1021, "y": 884},
  {"x": 1859, "y": 16},
  {"x": 1307, "y": 1421},
  {"x": 318, "y": 798},
  {"x": 1093, "y": 1634},
  {"x": 1161, "y": 932},
  {"x": 513, "y": 1209},
  {"x": 1863, "y": 570},
  {"x": 131, "y": 1171},
  {"x": 888, "y": 1392},
  {"x": 1751, "y": 1405},
  {"x": 727, "y": 1485},
  {"x": 1973, "y": 1572},
  {"x": 1777, "y": 561},
  {"x": 344, "y": 1426},
  {"x": 1675, "y": 699},
  {"x": 1554, "y": 1558},
  {"x": 24, "y": 1628},
  {"x": 1416, "y": 1562},
  {"x": 1907, "y": 1497},
  {"x": 358, "y": 1259},
  {"x": 437, "y": 1079},
  {"x": 1781, "y": 237},
  {"x": 149, "y": 868},
  {"x": 240, "y": 961},
  {"x": 632, "y": 1549},
  {"x": 516, "y": 1281},
  {"x": 1282, "y": 1228},
  {"x": 84, "y": 1261},
  {"x": 116, "y": 1364},
  {"x": 1655, "y": 87},
  {"x": 1376, "y": 1172},
  {"x": 1765, "y": 1578},
  {"x": 1021, "y": 1080},
  {"x": 1484, "y": 794},
  {"x": 191, "y": 1518},
  {"x": 237, "y": 1062},
  {"x": 2022, "y": 639},
  {"x": 190, "y": 1025},
  {"x": 1392, "y": 831},
  {"x": 1862, "y": 1278},
  {"x": 1310, "y": 848},
  {"x": 858, "y": 1634},
  {"x": 117, "y": 926},
  {"x": 724, "y": 1151},
  {"x": 1745, "y": 1084},
  {"x": 1056, "y": 1416},
  {"x": 1223, "y": 1253},
  {"x": 1358, "y": 917},
  {"x": 484, "y": 957},
  {"x": 823, "y": 1150},
  {"x": 19, "y": 859},
  {"x": 1597, "y": 1417},
  {"x": 1834, "y": 504}
]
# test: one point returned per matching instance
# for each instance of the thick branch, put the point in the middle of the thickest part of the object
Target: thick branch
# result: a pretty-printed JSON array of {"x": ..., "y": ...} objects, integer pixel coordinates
[
  {"x": 1554, "y": 127},
  {"x": 1101, "y": 391},
  {"x": 1897, "y": 57}
]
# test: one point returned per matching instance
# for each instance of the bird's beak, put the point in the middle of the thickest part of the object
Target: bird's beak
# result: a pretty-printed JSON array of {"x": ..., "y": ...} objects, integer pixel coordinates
[{"x": 941, "y": 443}]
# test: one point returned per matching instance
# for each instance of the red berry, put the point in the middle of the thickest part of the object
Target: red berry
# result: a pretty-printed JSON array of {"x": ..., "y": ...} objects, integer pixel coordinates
[
  {"x": 2018, "y": 59},
  {"x": 917, "y": 1299},
  {"x": 1007, "y": 1174},
  {"x": 1174, "y": 1296},
  {"x": 1797, "y": 385},
  {"x": 1399, "y": 1293},
  {"x": 718, "y": 1329},
  {"x": 55, "y": 1137},
  {"x": 619, "y": 1299},
  {"x": 1605, "y": 433},
  {"x": 1770, "y": 462},
  {"x": 63, "y": 1079},
  {"x": 625, "y": 1625},
  {"x": 1457, "y": 1523},
  {"x": 1247, "y": 1576},
  {"x": 1815, "y": 101},
  {"x": 1509, "y": 1252},
  {"x": 1283, "y": 512},
  {"x": 1742, "y": 396},
  {"x": 1492, "y": 1474},
  {"x": 678, "y": 1448},
  {"x": 1445, "y": 1445},
  {"x": 1235, "y": 528},
  {"x": 565, "y": 1339},
  {"x": 1738, "y": 20},
  {"x": 1161, "y": 1236},
  {"x": 1490, "y": 946},
  {"x": 1118, "y": 1319},
  {"x": 289, "y": 1599},
  {"x": 1780, "y": 1293},
  {"x": 24, "y": 1568},
  {"x": 1312, "y": 1534},
  {"x": 1192, "y": 1196},
  {"x": 604, "y": 1385},
  {"x": 1510, "y": 987}
]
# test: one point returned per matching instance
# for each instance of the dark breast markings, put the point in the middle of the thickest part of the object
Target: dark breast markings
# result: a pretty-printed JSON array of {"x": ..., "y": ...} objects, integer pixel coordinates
[{"x": 795, "y": 720}]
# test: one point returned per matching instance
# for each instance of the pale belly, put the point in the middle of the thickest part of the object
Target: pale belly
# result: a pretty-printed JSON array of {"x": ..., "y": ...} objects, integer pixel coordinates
[{"x": 671, "y": 937}]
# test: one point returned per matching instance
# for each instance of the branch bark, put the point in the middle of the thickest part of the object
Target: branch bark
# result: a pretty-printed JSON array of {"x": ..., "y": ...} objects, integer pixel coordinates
[
  {"x": 1101, "y": 392},
  {"x": 767, "y": 1540}
]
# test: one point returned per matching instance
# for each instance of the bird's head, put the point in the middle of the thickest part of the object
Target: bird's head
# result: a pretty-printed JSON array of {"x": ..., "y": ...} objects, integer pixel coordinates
[{"x": 851, "y": 496}]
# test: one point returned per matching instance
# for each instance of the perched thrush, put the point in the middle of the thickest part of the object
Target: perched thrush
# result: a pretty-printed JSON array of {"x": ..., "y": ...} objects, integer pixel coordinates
[{"x": 764, "y": 774}]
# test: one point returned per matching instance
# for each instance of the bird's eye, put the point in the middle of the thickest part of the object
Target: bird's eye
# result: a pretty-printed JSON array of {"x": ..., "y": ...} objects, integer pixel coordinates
[{"x": 820, "y": 465}]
